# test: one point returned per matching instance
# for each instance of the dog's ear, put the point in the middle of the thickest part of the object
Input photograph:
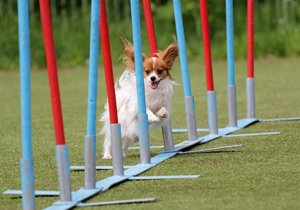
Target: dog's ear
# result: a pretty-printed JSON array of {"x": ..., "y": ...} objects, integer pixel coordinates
[
  {"x": 169, "y": 54},
  {"x": 128, "y": 53}
]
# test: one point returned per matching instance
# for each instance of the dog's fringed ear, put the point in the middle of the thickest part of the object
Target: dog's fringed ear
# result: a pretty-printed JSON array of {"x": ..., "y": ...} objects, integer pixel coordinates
[
  {"x": 169, "y": 54},
  {"x": 128, "y": 53}
]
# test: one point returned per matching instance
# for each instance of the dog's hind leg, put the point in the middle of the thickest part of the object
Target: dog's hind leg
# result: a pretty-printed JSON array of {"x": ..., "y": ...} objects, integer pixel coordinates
[
  {"x": 107, "y": 147},
  {"x": 126, "y": 143}
]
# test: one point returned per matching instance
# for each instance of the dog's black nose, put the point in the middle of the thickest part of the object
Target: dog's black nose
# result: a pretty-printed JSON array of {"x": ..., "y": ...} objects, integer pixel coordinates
[{"x": 153, "y": 78}]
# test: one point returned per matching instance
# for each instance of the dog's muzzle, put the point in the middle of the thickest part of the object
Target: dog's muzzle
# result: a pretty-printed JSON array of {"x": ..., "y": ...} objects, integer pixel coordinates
[{"x": 154, "y": 85}]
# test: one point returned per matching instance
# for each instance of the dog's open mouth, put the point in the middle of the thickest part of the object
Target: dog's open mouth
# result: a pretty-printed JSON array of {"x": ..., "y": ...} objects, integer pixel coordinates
[{"x": 154, "y": 85}]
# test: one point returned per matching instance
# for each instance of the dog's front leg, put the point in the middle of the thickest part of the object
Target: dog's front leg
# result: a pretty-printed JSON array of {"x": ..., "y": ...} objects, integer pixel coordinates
[
  {"x": 162, "y": 113},
  {"x": 151, "y": 116}
]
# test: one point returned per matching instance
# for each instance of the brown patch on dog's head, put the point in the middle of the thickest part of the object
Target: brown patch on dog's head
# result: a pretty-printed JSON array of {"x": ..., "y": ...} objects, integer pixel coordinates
[
  {"x": 163, "y": 63},
  {"x": 158, "y": 68},
  {"x": 155, "y": 68}
]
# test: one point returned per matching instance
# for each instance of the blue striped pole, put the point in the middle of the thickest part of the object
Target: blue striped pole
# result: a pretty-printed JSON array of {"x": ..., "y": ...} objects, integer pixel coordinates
[
  {"x": 232, "y": 112},
  {"x": 93, "y": 67},
  {"x": 189, "y": 99},
  {"x": 142, "y": 115},
  {"x": 230, "y": 42},
  {"x": 25, "y": 94},
  {"x": 182, "y": 48},
  {"x": 90, "y": 138}
]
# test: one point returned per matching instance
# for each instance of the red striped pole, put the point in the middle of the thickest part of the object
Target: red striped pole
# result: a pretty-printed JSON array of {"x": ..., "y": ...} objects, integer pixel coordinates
[
  {"x": 115, "y": 127},
  {"x": 109, "y": 77},
  {"x": 62, "y": 160},
  {"x": 211, "y": 93},
  {"x": 206, "y": 45},
  {"x": 250, "y": 81},
  {"x": 52, "y": 71},
  {"x": 250, "y": 37},
  {"x": 150, "y": 27}
]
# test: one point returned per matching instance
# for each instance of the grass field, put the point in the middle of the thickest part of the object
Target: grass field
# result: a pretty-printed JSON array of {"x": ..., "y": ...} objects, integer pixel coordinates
[{"x": 262, "y": 175}]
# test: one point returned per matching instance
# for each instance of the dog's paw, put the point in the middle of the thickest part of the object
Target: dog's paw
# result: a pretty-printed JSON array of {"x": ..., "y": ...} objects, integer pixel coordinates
[
  {"x": 152, "y": 118},
  {"x": 107, "y": 156},
  {"x": 163, "y": 113}
]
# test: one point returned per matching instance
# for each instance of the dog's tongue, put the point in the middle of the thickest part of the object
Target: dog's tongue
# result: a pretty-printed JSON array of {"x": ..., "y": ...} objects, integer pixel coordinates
[{"x": 154, "y": 85}]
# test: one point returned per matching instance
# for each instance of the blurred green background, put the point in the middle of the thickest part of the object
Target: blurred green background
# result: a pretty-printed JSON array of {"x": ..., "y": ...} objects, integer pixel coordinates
[{"x": 277, "y": 29}]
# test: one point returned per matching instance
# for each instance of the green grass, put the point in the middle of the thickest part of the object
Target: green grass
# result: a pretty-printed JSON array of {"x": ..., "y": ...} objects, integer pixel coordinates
[{"x": 262, "y": 175}]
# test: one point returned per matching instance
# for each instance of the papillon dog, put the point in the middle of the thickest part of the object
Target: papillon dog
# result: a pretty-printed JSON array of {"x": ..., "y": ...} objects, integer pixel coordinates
[{"x": 158, "y": 91}]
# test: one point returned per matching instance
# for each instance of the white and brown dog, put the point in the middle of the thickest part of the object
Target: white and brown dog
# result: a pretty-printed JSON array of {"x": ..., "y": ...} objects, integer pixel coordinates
[{"x": 158, "y": 92}]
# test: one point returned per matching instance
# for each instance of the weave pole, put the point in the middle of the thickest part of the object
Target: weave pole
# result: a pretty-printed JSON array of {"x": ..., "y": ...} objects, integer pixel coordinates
[
  {"x": 62, "y": 160},
  {"x": 250, "y": 81},
  {"x": 90, "y": 137},
  {"x": 167, "y": 128},
  {"x": 150, "y": 27},
  {"x": 211, "y": 94},
  {"x": 142, "y": 115},
  {"x": 188, "y": 98},
  {"x": 231, "y": 89},
  {"x": 26, "y": 161},
  {"x": 115, "y": 128}
]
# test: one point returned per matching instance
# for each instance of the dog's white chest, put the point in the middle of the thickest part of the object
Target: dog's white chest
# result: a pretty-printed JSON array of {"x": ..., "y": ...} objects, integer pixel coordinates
[{"x": 161, "y": 97}]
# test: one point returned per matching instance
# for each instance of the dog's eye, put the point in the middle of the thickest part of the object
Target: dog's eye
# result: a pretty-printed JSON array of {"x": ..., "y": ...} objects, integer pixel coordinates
[
  {"x": 147, "y": 71},
  {"x": 159, "y": 71}
]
